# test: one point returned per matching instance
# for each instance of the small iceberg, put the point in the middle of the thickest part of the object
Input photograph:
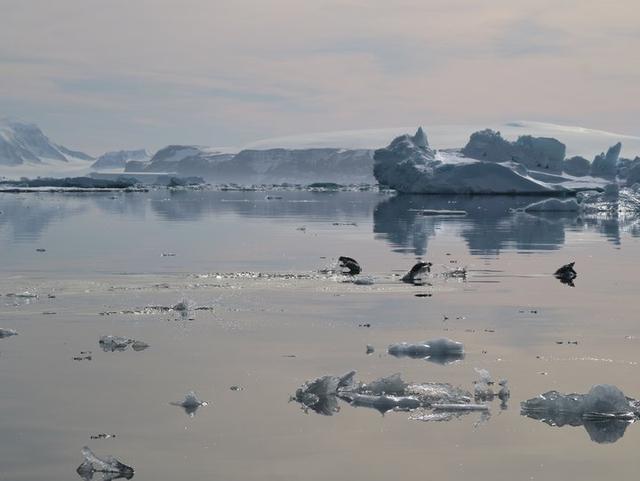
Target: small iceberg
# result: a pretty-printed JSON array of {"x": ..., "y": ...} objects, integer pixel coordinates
[
  {"x": 604, "y": 411},
  {"x": 191, "y": 403},
  {"x": 441, "y": 350},
  {"x": 117, "y": 343},
  {"x": 7, "y": 333},
  {"x": 109, "y": 466}
]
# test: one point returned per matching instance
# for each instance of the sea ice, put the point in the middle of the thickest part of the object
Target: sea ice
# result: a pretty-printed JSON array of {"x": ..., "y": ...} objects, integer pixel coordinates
[
  {"x": 93, "y": 464},
  {"x": 7, "y": 333},
  {"x": 191, "y": 403},
  {"x": 440, "y": 349},
  {"x": 118, "y": 343},
  {"x": 605, "y": 412}
]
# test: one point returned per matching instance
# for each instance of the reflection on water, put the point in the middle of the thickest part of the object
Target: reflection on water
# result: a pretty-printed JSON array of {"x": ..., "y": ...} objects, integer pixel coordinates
[
  {"x": 601, "y": 431},
  {"x": 491, "y": 225}
]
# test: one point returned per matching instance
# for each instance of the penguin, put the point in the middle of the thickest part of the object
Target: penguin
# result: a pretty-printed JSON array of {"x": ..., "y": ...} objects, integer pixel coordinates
[
  {"x": 351, "y": 265},
  {"x": 419, "y": 269},
  {"x": 566, "y": 274}
]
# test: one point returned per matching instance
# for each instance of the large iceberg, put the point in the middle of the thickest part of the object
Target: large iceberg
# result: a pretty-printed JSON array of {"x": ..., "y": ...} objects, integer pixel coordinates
[{"x": 488, "y": 164}]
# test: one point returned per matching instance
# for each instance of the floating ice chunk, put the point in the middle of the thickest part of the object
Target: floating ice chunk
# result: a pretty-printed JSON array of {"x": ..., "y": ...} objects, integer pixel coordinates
[
  {"x": 440, "y": 350},
  {"x": 602, "y": 401},
  {"x": 117, "y": 343},
  {"x": 482, "y": 389},
  {"x": 457, "y": 273},
  {"x": 504, "y": 392},
  {"x": 554, "y": 205},
  {"x": 320, "y": 394},
  {"x": 114, "y": 343},
  {"x": 370, "y": 349},
  {"x": 185, "y": 305},
  {"x": 23, "y": 295},
  {"x": 139, "y": 345},
  {"x": 363, "y": 281},
  {"x": 191, "y": 403},
  {"x": 93, "y": 464},
  {"x": 384, "y": 403},
  {"x": 604, "y": 411},
  {"x": 438, "y": 393},
  {"x": 386, "y": 385},
  {"x": 7, "y": 333}
]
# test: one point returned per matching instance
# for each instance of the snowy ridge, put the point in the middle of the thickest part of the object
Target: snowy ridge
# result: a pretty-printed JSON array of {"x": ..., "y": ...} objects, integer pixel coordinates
[{"x": 24, "y": 143}]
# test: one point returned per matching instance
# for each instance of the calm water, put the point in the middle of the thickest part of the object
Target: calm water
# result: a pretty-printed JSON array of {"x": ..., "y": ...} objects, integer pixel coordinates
[{"x": 103, "y": 253}]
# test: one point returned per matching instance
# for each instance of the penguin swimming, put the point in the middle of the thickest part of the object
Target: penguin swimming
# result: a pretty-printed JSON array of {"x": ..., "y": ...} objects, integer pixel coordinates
[
  {"x": 351, "y": 265},
  {"x": 566, "y": 274},
  {"x": 418, "y": 270}
]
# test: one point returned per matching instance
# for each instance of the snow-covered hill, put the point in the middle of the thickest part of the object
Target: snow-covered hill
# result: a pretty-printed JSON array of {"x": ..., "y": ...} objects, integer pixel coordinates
[
  {"x": 118, "y": 159},
  {"x": 264, "y": 166},
  {"x": 23, "y": 143}
]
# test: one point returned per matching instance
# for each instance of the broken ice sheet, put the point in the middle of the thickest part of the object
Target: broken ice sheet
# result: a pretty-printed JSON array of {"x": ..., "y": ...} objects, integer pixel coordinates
[
  {"x": 191, "y": 403},
  {"x": 320, "y": 394},
  {"x": 110, "y": 467},
  {"x": 118, "y": 343},
  {"x": 389, "y": 393},
  {"x": 605, "y": 412}
]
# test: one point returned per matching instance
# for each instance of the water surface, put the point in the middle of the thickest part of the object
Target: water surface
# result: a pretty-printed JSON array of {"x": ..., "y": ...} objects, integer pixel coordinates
[{"x": 104, "y": 254}]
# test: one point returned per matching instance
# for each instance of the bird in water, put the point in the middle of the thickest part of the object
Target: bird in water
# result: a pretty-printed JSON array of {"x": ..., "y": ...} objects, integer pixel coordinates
[
  {"x": 566, "y": 274},
  {"x": 417, "y": 271},
  {"x": 350, "y": 266}
]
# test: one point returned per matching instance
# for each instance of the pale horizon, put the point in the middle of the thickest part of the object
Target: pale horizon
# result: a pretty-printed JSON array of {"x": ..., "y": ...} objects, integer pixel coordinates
[{"x": 99, "y": 76}]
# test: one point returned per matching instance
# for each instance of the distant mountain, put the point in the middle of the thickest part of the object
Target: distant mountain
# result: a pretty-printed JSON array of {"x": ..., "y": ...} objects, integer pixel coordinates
[
  {"x": 263, "y": 166},
  {"x": 24, "y": 143},
  {"x": 118, "y": 159}
]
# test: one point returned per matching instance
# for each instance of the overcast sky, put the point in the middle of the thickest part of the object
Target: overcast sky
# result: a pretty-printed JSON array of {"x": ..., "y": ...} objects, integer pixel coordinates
[{"x": 107, "y": 74}]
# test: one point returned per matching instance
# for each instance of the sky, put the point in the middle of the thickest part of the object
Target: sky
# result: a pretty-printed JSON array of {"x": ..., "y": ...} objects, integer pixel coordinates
[{"x": 100, "y": 75}]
